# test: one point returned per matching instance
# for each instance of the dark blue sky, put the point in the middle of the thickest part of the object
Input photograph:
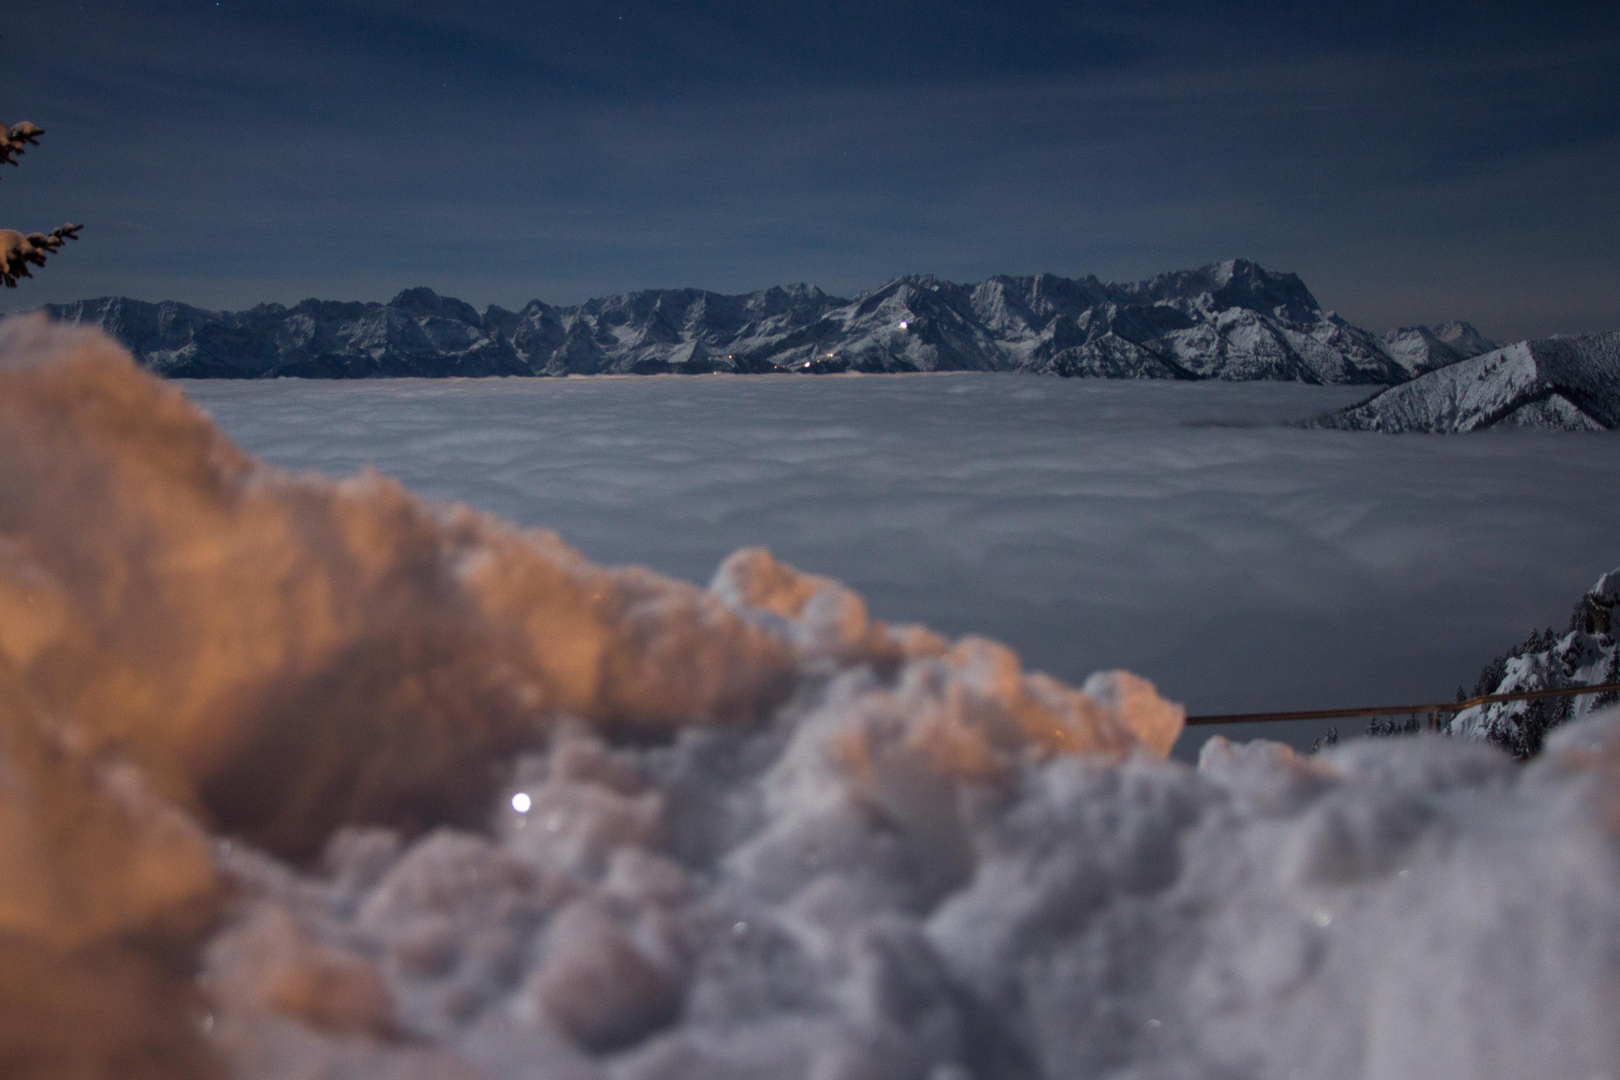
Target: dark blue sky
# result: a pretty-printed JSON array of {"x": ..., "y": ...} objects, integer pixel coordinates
[{"x": 1413, "y": 162}]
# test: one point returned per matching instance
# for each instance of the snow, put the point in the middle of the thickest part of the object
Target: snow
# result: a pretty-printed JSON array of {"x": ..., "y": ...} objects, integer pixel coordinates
[
  {"x": 1421, "y": 349},
  {"x": 1231, "y": 320},
  {"x": 1568, "y": 384},
  {"x": 1586, "y": 655},
  {"x": 273, "y": 729},
  {"x": 1392, "y": 909}
]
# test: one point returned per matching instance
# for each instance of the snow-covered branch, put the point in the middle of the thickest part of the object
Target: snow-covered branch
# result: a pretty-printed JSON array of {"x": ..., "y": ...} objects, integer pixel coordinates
[
  {"x": 15, "y": 139},
  {"x": 18, "y": 251}
]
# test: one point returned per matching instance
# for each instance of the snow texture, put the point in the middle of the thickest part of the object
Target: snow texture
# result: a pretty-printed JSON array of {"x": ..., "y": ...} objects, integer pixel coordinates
[
  {"x": 1231, "y": 320},
  {"x": 416, "y": 794},
  {"x": 1562, "y": 383}
]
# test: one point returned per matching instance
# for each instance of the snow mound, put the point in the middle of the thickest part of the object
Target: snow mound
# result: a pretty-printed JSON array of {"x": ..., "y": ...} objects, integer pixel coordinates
[
  {"x": 1568, "y": 384},
  {"x": 786, "y": 904},
  {"x": 312, "y": 779}
]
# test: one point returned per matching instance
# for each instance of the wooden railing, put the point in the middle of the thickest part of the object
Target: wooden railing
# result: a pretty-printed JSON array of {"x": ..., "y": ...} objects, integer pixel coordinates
[{"x": 1432, "y": 710}]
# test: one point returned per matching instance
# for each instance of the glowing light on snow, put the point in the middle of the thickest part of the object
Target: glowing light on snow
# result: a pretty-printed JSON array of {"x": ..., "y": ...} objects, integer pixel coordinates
[
  {"x": 521, "y": 803},
  {"x": 904, "y": 324}
]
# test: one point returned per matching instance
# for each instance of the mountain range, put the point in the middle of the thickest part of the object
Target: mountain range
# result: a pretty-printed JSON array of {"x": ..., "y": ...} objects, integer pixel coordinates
[
  {"x": 1566, "y": 383},
  {"x": 1230, "y": 320}
]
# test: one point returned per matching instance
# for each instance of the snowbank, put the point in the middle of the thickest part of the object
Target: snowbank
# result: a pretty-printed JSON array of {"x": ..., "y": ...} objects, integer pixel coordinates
[{"x": 422, "y": 795}]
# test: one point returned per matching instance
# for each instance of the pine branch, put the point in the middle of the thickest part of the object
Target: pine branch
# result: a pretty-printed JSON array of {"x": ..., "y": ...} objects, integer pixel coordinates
[
  {"x": 15, "y": 140},
  {"x": 18, "y": 251}
]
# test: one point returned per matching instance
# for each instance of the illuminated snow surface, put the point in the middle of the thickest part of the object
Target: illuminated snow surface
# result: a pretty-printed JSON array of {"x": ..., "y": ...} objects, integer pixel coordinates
[{"x": 265, "y": 739}]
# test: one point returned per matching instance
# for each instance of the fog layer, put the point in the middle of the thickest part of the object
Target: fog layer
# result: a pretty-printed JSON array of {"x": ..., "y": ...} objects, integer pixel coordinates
[{"x": 1179, "y": 530}]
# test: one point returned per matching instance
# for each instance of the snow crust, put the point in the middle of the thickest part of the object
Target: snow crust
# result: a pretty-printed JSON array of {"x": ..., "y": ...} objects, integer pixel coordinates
[{"x": 271, "y": 727}]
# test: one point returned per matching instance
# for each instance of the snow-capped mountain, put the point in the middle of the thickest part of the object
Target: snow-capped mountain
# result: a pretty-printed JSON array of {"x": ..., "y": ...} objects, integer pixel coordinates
[
  {"x": 1231, "y": 320},
  {"x": 1421, "y": 349},
  {"x": 1565, "y": 383},
  {"x": 1587, "y": 654}
]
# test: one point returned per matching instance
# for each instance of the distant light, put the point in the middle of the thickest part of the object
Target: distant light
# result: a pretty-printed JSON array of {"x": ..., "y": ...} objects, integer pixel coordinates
[
  {"x": 521, "y": 803},
  {"x": 904, "y": 324}
]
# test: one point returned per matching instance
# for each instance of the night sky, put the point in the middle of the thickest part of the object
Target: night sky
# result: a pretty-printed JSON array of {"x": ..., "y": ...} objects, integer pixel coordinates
[{"x": 1412, "y": 162}]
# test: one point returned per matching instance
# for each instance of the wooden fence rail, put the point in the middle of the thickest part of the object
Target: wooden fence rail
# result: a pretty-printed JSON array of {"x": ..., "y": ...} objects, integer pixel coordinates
[{"x": 1433, "y": 710}]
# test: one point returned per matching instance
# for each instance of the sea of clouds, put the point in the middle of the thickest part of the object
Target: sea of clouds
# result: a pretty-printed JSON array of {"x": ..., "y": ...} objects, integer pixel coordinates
[
  {"x": 1176, "y": 529},
  {"x": 302, "y": 777}
]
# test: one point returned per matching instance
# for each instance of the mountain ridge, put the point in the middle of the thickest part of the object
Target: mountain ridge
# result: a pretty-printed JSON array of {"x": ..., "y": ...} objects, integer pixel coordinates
[
  {"x": 1587, "y": 653},
  {"x": 1230, "y": 320},
  {"x": 1563, "y": 383}
]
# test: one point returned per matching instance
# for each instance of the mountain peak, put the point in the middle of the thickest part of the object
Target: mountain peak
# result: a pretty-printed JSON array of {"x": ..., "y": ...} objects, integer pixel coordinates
[
  {"x": 424, "y": 301},
  {"x": 421, "y": 296},
  {"x": 1463, "y": 337},
  {"x": 1572, "y": 384},
  {"x": 1245, "y": 283}
]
